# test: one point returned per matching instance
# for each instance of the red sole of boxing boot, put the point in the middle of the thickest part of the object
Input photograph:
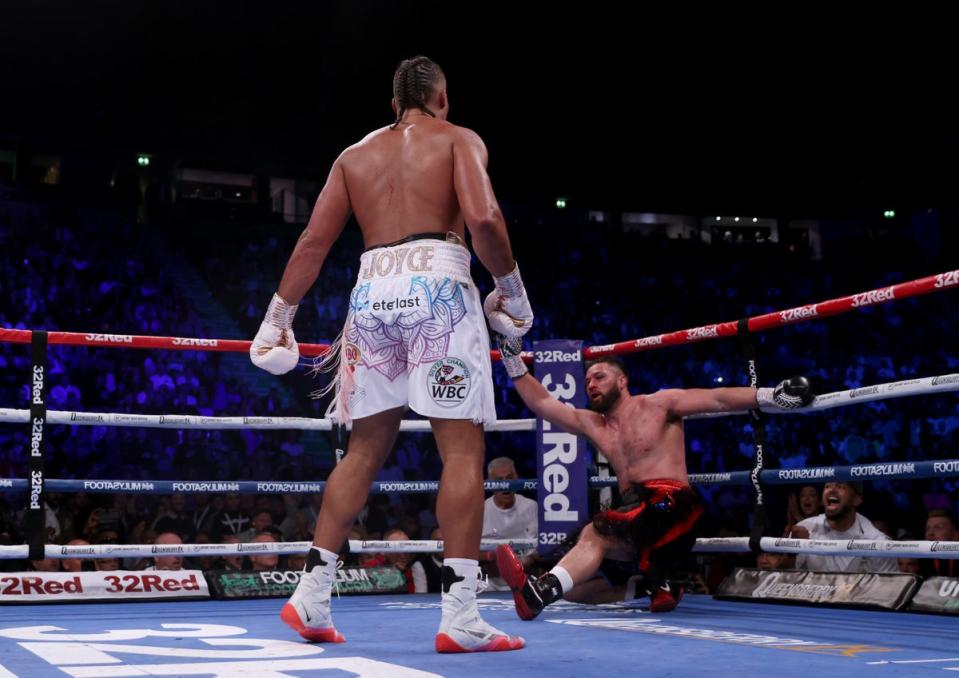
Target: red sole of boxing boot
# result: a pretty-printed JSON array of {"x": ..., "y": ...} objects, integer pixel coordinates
[
  {"x": 446, "y": 645},
  {"x": 292, "y": 619}
]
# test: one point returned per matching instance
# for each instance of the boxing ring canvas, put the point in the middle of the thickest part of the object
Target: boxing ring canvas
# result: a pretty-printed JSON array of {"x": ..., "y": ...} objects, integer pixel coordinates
[{"x": 392, "y": 636}]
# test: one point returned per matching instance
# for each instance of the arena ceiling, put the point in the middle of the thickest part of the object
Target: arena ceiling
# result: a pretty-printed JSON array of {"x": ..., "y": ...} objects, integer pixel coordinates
[{"x": 606, "y": 109}]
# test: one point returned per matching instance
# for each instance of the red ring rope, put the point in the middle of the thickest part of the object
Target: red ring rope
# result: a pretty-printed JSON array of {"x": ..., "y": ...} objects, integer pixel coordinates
[{"x": 928, "y": 285}]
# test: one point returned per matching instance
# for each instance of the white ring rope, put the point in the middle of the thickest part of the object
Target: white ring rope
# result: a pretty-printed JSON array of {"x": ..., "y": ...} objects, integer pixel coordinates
[
  {"x": 895, "y": 389},
  {"x": 20, "y": 551},
  {"x": 944, "y": 550},
  {"x": 191, "y": 421}
]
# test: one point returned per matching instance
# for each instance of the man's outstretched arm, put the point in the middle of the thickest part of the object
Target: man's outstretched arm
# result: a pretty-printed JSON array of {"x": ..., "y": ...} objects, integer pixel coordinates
[
  {"x": 537, "y": 398},
  {"x": 686, "y": 402},
  {"x": 545, "y": 406},
  {"x": 790, "y": 394}
]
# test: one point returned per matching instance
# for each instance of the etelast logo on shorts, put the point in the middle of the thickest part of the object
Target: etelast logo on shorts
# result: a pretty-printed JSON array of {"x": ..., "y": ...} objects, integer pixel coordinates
[
  {"x": 398, "y": 303},
  {"x": 448, "y": 382}
]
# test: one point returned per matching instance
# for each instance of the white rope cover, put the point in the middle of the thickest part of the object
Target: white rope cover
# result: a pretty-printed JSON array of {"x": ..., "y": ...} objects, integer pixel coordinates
[
  {"x": 857, "y": 396},
  {"x": 191, "y": 421},
  {"x": 945, "y": 550},
  {"x": 896, "y": 389},
  {"x": 20, "y": 551}
]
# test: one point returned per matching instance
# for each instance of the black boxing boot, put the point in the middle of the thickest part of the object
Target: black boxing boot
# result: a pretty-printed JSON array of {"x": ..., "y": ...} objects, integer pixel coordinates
[
  {"x": 665, "y": 598},
  {"x": 529, "y": 595}
]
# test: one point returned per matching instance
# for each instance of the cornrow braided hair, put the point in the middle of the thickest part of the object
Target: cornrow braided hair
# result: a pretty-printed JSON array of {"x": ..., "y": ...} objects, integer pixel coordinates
[{"x": 413, "y": 83}]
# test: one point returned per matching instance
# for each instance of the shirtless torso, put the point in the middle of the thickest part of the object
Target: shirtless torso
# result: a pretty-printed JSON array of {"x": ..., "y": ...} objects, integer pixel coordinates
[
  {"x": 641, "y": 440},
  {"x": 640, "y": 435},
  {"x": 423, "y": 175},
  {"x": 400, "y": 180}
]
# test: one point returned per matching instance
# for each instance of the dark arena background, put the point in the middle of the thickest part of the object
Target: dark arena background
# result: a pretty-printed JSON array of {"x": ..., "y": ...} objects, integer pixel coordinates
[{"x": 662, "y": 177}]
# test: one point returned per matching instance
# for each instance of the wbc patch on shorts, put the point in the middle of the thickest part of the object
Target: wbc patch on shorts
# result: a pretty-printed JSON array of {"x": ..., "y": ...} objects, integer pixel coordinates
[{"x": 448, "y": 382}]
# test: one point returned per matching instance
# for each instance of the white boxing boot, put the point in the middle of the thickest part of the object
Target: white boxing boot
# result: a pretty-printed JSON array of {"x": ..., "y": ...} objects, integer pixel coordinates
[
  {"x": 461, "y": 627},
  {"x": 308, "y": 610}
]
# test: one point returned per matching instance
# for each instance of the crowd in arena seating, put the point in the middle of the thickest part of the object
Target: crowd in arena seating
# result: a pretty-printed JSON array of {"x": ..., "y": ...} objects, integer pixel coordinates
[{"x": 85, "y": 271}]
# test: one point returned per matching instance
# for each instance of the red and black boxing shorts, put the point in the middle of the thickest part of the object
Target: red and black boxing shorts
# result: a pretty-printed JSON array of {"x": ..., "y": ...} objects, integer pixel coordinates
[{"x": 657, "y": 516}]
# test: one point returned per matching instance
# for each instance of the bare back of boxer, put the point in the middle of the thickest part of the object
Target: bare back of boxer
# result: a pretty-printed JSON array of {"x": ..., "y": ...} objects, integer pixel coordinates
[
  {"x": 421, "y": 177},
  {"x": 421, "y": 174},
  {"x": 400, "y": 179}
]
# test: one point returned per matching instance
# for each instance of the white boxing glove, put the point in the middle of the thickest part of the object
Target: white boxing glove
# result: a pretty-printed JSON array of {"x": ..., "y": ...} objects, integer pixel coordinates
[
  {"x": 274, "y": 347},
  {"x": 507, "y": 307}
]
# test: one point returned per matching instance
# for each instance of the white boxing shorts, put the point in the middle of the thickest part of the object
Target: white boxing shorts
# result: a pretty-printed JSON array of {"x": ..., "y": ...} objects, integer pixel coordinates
[{"x": 415, "y": 335}]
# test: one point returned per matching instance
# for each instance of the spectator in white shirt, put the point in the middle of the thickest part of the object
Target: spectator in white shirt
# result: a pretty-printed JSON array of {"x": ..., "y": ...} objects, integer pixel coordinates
[
  {"x": 841, "y": 520},
  {"x": 507, "y": 515}
]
